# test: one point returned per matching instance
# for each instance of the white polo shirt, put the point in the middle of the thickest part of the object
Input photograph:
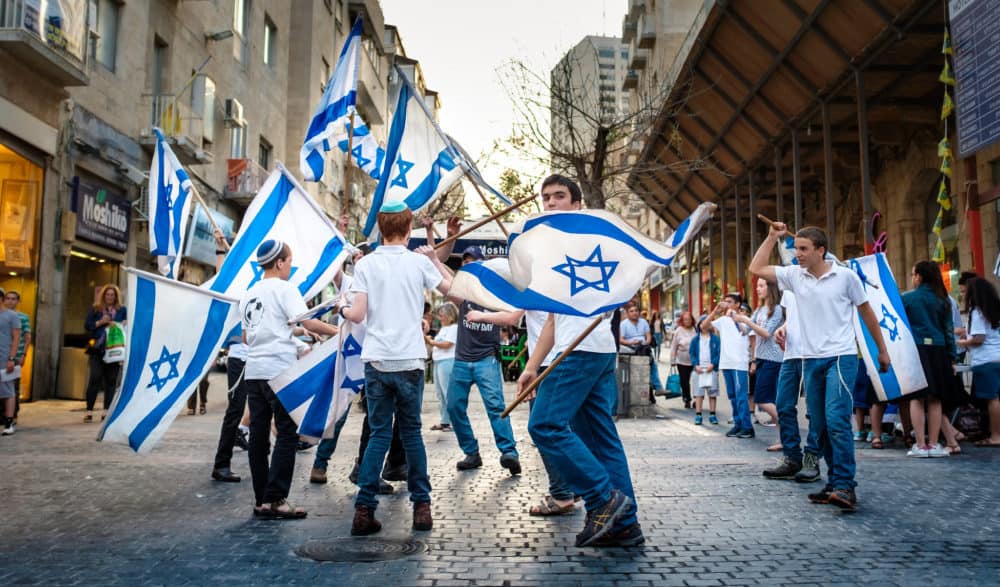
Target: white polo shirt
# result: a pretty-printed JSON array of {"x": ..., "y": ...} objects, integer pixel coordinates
[
  {"x": 533, "y": 322},
  {"x": 600, "y": 339},
  {"x": 828, "y": 305},
  {"x": 394, "y": 278},
  {"x": 792, "y": 336}
]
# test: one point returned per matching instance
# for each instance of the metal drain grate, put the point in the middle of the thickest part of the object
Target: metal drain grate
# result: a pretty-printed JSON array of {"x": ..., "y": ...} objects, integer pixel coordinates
[{"x": 363, "y": 550}]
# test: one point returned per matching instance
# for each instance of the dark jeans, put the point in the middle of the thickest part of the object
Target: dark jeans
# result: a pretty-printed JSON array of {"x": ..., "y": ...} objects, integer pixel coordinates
[
  {"x": 397, "y": 456},
  {"x": 234, "y": 413},
  {"x": 271, "y": 482},
  {"x": 103, "y": 377},
  {"x": 202, "y": 391},
  {"x": 684, "y": 371},
  {"x": 400, "y": 394}
]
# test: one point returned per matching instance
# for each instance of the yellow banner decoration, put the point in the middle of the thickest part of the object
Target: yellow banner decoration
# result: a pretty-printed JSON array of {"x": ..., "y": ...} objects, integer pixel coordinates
[
  {"x": 947, "y": 77},
  {"x": 943, "y": 197},
  {"x": 938, "y": 252},
  {"x": 946, "y": 45},
  {"x": 946, "y": 166},
  {"x": 948, "y": 106},
  {"x": 938, "y": 222},
  {"x": 944, "y": 148}
]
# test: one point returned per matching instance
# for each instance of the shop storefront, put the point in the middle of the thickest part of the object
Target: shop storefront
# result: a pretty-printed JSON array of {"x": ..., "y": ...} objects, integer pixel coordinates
[
  {"x": 21, "y": 188},
  {"x": 102, "y": 220}
]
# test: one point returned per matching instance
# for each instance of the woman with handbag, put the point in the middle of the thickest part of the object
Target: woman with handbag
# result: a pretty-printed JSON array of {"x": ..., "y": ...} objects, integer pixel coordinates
[
  {"x": 103, "y": 375},
  {"x": 656, "y": 324},
  {"x": 680, "y": 353}
]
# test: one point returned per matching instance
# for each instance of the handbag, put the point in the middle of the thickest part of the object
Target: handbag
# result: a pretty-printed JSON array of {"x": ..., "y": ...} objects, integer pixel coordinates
[
  {"x": 114, "y": 345},
  {"x": 673, "y": 381}
]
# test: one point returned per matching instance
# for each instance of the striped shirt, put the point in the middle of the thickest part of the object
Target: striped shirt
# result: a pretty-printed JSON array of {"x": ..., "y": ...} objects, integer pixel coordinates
[{"x": 766, "y": 348}]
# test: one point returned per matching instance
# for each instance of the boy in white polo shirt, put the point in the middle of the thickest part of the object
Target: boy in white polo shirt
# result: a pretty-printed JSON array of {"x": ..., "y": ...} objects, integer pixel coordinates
[
  {"x": 828, "y": 294},
  {"x": 389, "y": 289}
]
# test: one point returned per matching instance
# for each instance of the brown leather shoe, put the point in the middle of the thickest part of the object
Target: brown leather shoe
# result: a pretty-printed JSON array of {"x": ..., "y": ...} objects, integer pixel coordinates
[
  {"x": 364, "y": 521},
  {"x": 422, "y": 520},
  {"x": 317, "y": 475}
]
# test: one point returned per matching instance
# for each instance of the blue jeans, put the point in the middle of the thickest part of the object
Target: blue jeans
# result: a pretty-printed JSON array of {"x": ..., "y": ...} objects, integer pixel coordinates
[
  {"x": 400, "y": 393},
  {"x": 789, "y": 387},
  {"x": 582, "y": 392},
  {"x": 442, "y": 375},
  {"x": 327, "y": 446},
  {"x": 557, "y": 487},
  {"x": 738, "y": 391},
  {"x": 485, "y": 373},
  {"x": 828, "y": 384}
]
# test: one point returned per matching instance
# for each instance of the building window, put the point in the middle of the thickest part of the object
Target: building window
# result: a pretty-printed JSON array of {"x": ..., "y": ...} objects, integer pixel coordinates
[
  {"x": 270, "y": 42},
  {"x": 238, "y": 142},
  {"x": 325, "y": 73},
  {"x": 264, "y": 153},
  {"x": 606, "y": 53},
  {"x": 104, "y": 32},
  {"x": 373, "y": 55},
  {"x": 241, "y": 26}
]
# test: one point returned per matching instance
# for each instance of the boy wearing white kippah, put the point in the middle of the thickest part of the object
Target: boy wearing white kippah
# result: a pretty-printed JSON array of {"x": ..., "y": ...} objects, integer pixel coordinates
[{"x": 265, "y": 311}]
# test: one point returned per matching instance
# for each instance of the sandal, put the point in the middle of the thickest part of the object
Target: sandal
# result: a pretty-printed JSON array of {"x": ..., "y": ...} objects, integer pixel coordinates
[
  {"x": 987, "y": 443},
  {"x": 549, "y": 507},
  {"x": 201, "y": 410},
  {"x": 953, "y": 450},
  {"x": 262, "y": 511},
  {"x": 877, "y": 444},
  {"x": 281, "y": 510}
]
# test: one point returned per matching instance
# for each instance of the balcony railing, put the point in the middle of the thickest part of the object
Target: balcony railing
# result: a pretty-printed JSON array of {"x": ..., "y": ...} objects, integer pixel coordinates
[
  {"x": 180, "y": 124},
  {"x": 244, "y": 177},
  {"x": 53, "y": 44}
]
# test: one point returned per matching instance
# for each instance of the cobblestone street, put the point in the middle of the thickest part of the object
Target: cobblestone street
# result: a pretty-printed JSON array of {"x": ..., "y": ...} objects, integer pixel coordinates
[{"x": 79, "y": 512}]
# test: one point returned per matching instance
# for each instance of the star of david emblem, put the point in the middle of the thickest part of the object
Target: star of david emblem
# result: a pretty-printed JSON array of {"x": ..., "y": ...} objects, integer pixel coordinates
[
  {"x": 351, "y": 347},
  {"x": 889, "y": 323},
  {"x": 403, "y": 166},
  {"x": 258, "y": 273},
  {"x": 593, "y": 272},
  {"x": 169, "y": 360},
  {"x": 362, "y": 161},
  {"x": 355, "y": 385}
]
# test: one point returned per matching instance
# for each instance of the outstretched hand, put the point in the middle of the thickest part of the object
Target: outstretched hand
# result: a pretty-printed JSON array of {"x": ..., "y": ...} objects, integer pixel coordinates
[{"x": 454, "y": 226}]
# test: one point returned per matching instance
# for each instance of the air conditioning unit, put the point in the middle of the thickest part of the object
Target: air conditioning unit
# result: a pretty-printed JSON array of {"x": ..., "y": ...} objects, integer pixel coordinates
[{"x": 234, "y": 113}]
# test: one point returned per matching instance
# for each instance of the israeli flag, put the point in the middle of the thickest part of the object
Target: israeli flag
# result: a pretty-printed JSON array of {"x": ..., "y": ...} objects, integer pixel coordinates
[
  {"x": 165, "y": 361},
  {"x": 468, "y": 164},
  {"x": 334, "y": 107},
  {"x": 283, "y": 210},
  {"x": 420, "y": 163},
  {"x": 906, "y": 375},
  {"x": 366, "y": 153},
  {"x": 786, "y": 251},
  {"x": 169, "y": 206},
  {"x": 318, "y": 389},
  {"x": 575, "y": 263}
]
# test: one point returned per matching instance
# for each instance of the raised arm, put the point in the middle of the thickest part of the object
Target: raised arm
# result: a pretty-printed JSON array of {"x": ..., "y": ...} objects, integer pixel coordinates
[
  {"x": 871, "y": 321},
  {"x": 446, "y": 274},
  {"x": 759, "y": 265}
]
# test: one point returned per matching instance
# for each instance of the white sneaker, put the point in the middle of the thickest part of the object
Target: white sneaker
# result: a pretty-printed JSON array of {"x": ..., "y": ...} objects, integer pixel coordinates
[
  {"x": 918, "y": 451},
  {"x": 8, "y": 431},
  {"x": 937, "y": 451}
]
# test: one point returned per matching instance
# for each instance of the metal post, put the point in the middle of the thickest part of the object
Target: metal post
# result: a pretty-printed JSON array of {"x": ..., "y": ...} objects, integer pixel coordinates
[
  {"x": 866, "y": 179},
  {"x": 722, "y": 253},
  {"x": 796, "y": 178},
  {"x": 779, "y": 196},
  {"x": 739, "y": 240},
  {"x": 828, "y": 177}
]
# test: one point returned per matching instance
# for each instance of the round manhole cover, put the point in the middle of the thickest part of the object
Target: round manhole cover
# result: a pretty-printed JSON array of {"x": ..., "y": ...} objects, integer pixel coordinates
[{"x": 359, "y": 549}]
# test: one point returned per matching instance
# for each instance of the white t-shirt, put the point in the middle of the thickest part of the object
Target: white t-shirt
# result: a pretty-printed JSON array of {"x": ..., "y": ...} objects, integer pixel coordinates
[
  {"x": 238, "y": 350},
  {"x": 830, "y": 303},
  {"x": 735, "y": 345},
  {"x": 533, "y": 322},
  {"x": 989, "y": 351},
  {"x": 265, "y": 311},
  {"x": 704, "y": 351},
  {"x": 600, "y": 339},
  {"x": 394, "y": 278},
  {"x": 792, "y": 337},
  {"x": 446, "y": 334}
]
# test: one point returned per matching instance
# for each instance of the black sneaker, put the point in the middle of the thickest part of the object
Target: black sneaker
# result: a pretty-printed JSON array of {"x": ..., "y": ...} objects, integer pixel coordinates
[
  {"x": 748, "y": 433},
  {"x": 845, "y": 499},
  {"x": 385, "y": 488},
  {"x": 786, "y": 469},
  {"x": 395, "y": 473},
  {"x": 734, "y": 431},
  {"x": 241, "y": 440},
  {"x": 601, "y": 520},
  {"x": 630, "y": 536},
  {"x": 303, "y": 445},
  {"x": 821, "y": 496},
  {"x": 810, "y": 469},
  {"x": 511, "y": 462},
  {"x": 472, "y": 461}
]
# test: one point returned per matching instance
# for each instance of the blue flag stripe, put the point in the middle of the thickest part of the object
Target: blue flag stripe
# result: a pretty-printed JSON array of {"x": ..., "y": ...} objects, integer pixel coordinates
[
  {"x": 527, "y": 299},
  {"x": 304, "y": 387},
  {"x": 142, "y": 322},
  {"x": 419, "y": 197},
  {"x": 331, "y": 114},
  {"x": 333, "y": 248},
  {"x": 391, "y": 151},
  {"x": 204, "y": 355},
  {"x": 591, "y": 226},
  {"x": 314, "y": 422},
  {"x": 161, "y": 222}
]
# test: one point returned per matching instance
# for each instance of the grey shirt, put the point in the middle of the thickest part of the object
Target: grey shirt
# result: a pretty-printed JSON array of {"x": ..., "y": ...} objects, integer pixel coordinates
[{"x": 9, "y": 322}]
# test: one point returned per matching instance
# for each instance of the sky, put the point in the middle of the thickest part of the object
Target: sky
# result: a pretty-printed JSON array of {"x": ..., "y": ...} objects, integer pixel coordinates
[{"x": 463, "y": 44}]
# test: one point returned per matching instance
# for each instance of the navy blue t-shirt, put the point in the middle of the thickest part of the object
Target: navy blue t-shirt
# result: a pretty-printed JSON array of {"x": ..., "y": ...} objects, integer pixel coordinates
[{"x": 476, "y": 340}]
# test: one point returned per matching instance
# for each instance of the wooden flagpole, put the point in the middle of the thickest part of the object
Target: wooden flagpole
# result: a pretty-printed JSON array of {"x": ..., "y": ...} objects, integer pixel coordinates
[
  {"x": 215, "y": 227},
  {"x": 534, "y": 384},
  {"x": 346, "y": 206},
  {"x": 485, "y": 221},
  {"x": 486, "y": 202}
]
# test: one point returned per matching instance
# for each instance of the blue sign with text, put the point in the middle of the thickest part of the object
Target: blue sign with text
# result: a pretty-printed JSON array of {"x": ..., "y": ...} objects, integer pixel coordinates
[{"x": 975, "y": 29}]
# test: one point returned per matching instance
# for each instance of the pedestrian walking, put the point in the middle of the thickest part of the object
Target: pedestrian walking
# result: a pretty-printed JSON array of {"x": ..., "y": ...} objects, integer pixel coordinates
[
  {"x": 656, "y": 324},
  {"x": 103, "y": 375},
  {"x": 443, "y": 356},
  {"x": 10, "y": 337},
  {"x": 11, "y": 300},
  {"x": 680, "y": 353}
]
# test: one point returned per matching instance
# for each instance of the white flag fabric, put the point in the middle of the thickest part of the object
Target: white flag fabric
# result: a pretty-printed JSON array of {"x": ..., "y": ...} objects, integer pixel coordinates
[
  {"x": 420, "y": 163},
  {"x": 173, "y": 335},
  {"x": 283, "y": 210},
  {"x": 334, "y": 108},
  {"x": 318, "y": 389},
  {"x": 906, "y": 375},
  {"x": 169, "y": 206},
  {"x": 366, "y": 153},
  {"x": 577, "y": 263}
]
